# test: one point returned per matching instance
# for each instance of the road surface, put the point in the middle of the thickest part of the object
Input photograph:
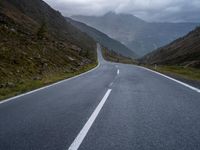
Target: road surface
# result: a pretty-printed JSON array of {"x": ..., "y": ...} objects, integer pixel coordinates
[{"x": 114, "y": 107}]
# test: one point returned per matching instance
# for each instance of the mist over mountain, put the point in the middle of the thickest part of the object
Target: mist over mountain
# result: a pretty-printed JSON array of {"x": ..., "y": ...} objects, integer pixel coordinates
[
  {"x": 140, "y": 36},
  {"x": 103, "y": 39}
]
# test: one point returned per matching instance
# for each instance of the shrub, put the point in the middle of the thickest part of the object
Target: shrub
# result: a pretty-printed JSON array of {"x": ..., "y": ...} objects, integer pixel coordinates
[{"x": 42, "y": 31}]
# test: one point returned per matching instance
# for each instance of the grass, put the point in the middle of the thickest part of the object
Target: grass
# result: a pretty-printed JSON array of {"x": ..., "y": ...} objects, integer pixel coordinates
[
  {"x": 28, "y": 62},
  {"x": 112, "y": 56},
  {"x": 186, "y": 73},
  {"x": 29, "y": 85}
]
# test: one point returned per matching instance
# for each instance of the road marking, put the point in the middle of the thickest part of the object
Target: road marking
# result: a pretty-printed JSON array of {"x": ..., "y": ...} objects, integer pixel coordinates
[
  {"x": 82, "y": 134},
  {"x": 48, "y": 86},
  {"x": 177, "y": 81},
  {"x": 118, "y": 71},
  {"x": 110, "y": 84}
]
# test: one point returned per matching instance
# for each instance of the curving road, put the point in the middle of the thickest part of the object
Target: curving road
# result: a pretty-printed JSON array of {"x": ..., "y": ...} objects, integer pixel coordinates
[{"x": 114, "y": 107}]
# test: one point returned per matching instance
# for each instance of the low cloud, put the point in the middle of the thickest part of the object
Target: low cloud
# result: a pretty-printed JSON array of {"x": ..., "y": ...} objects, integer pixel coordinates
[{"x": 150, "y": 10}]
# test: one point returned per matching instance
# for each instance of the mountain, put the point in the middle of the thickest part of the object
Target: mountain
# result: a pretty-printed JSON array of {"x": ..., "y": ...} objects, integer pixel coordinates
[
  {"x": 103, "y": 39},
  {"x": 138, "y": 35},
  {"x": 37, "y": 42},
  {"x": 184, "y": 51}
]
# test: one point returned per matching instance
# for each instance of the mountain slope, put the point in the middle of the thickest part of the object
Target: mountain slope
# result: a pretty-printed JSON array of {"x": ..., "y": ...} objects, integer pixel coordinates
[
  {"x": 184, "y": 51},
  {"x": 39, "y": 12},
  {"x": 38, "y": 45},
  {"x": 138, "y": 35},
  {"x": 103, "y": 39}
]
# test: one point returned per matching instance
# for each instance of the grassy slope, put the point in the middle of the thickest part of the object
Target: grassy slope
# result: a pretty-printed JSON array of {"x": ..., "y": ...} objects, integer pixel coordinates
[
  {"x": 188, "y": 73},
  {"x": 28, "y": 61},
  {"x": 114, "y": 57},
  {"x": 28, "y": 85},
  {"x": 180, "y": 58},
  {"x": 184, "y": 51}
]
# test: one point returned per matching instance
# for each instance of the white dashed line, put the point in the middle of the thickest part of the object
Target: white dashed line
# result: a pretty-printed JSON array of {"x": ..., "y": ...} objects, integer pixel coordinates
[
  {"x": 82, "y": 134},
  {"x": 118, "y": 72}
]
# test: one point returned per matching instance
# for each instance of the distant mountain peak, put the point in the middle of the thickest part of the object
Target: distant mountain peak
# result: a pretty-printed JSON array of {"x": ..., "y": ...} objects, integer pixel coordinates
[
  {"x": 113, "y": 14},
  {"x": 110, "y": 13},
  {"x": 138, "y": 35}
]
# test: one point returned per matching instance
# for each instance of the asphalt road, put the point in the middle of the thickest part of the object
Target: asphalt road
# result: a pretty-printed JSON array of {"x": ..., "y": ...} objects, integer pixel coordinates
[{"x": 114, "y": 107}]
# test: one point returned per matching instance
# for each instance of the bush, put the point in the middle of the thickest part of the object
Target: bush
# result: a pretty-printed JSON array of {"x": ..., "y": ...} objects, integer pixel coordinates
[
  {"x": 42, "y": 31},
  {"x": 1, "y": 3}
]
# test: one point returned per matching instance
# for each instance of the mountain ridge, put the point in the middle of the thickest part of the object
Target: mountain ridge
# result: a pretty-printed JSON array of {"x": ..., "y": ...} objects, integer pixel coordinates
[
  {"x": 138, "y": 35},
  {"x": 184, "y": 51},
  {"x": 103, "y": 39}
]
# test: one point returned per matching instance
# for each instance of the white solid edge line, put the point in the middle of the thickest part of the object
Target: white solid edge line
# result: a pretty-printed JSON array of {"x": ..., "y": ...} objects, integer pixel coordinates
[
  {"x": 177, "y": 81},
  {"x": 45, "y": 87},
  {"x": 82, "y": 134}
]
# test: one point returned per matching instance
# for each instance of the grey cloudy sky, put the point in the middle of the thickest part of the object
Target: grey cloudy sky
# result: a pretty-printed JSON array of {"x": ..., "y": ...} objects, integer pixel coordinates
[{"x": 150, "y": 10}]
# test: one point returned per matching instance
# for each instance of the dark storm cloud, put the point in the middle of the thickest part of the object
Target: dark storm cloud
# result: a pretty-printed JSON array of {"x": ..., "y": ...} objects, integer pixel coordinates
[{"x": 151, "y": 10}]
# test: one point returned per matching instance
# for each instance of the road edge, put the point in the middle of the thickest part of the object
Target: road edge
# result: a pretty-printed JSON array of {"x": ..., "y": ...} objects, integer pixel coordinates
[
  {"x": 170, "y": 78},
  {"x": 48, "y": 86}
]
